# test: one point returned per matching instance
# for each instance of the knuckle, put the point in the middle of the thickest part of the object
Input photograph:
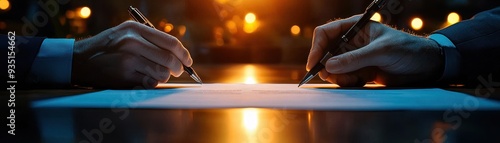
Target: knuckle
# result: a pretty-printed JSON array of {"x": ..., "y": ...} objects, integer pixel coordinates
[
  {"x": 318, "y": 30},
  {"x": 129, "y": 24},
  {"x": 128, "y": 38}
]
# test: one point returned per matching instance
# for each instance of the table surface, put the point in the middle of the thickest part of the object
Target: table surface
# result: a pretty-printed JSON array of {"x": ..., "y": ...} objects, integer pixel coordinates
[{"x": 128, "y": 124}]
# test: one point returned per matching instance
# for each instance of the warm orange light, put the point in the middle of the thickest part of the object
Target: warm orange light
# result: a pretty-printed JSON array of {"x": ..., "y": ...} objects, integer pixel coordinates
[
  {"x": 250, "y": 74},
  {"x": 231, "y": 26},
  {"x": 417, "y": 23},
  {"x": 4, "y": 4},
  {"x": 295, "y": 30},
  {"x": 85, "y": 12},
  {"x": 376, "y": 17},
  {"x": 221, "y": 1},
  {"x": 70, "y": 14},
  {"x": 373, "y": 85},
  {"x": 162, "y": 22},
  {"x": 453, "y": 18},
  {"x": 219, "y": 36},
  {"x": 250, "y": 18},
  {"x": 250, "y": 27},
  {"x": 250, "y": 119},
  {"x": 182, "y": 30},
  {"x": 168, "y": 27}
]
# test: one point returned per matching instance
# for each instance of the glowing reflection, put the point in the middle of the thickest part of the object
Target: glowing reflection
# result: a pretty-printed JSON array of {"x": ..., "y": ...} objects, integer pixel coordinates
[
  {"x": 453, "y": 18},
  {"x": 182, "y": 30},
  {"x": 250, "y": 119},
  {"x": 295, "y": 30},
  {"x": 376, "y": 17},
  {"x": 250, "y": 74},
  {"x": 70, "y": 14},
  {"x": 231, "y": 26},
  {"x": 85, "y": 12},
  {"x": 251, "y": 23},
  {"x": 4, "y": 4},
  {"x": 373, "y": 85},
  {"x": 250, "y": 18},
  {"x": 168, "y": 27},
  {"x": 250, "y": 27},
  {"x": 417, "y": 23}
]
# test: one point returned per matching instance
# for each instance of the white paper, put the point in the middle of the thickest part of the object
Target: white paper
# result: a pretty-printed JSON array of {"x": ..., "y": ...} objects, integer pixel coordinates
[{"x": 287, "y": 96}]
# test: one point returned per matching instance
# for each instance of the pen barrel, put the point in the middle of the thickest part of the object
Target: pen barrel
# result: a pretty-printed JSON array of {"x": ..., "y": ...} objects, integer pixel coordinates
[
  {"x": 375, "y": 6},
  {"x": 336, "y": 48}
]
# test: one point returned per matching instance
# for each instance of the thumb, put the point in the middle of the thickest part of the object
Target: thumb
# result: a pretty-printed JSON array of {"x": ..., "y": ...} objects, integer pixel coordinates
[{"x": 352, "y": 60}]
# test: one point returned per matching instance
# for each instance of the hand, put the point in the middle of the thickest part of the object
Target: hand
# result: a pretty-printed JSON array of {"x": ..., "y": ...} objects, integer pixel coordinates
[
  {"x": 377, "y": 53},
  {"x": 127, "y": 56}
]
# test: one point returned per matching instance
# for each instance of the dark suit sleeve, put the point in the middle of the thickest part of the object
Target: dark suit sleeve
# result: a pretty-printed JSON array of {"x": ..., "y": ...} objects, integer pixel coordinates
[
  {"x": 478, "y": 42},
  {"x": 26, "y": 50}
]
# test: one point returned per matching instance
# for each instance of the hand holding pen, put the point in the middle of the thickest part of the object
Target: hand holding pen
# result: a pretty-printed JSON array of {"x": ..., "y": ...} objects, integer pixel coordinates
[
  {"x": 376, "y": 53},
  {"x": 334, "y": 48},
  {"x": 139, "y": 17}
]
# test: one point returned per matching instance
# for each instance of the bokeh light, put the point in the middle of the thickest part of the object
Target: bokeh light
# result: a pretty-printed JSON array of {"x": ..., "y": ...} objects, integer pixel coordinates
[
  {"x": 417, "y": 23},
  {"x": 250, "y": 18},
  {"x": 250, "y": 27},
  {"x": 295, "y": 30},
  {"x": 453, "y": 18},
  {"x": 376, "y": 17},
  {"x": 70, "y": 14},
  {"x": 168, "y": 27},
  {"x": 85, "y": 12},
  {"x": 4, "y": 4},
  {"x": 231, "y": 26},
  {"x": 182, "y": 30}
]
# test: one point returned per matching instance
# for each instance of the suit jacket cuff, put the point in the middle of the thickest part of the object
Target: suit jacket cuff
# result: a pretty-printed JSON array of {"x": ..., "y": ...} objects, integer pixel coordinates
[
  {"x": 451, "y": 57},
  {"x": 52, "y": 65}
]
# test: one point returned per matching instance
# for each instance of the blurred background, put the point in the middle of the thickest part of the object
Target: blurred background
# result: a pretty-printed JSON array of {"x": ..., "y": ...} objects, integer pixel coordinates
[
  {"x": 241, "y": 33},
  {"x": 229, "y": 31}
]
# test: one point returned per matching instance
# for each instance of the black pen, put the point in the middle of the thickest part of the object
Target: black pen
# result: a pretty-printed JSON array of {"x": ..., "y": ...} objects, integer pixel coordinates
[
  {"x": 139, "y": 17},
  {"x": 375, "y": 6}
]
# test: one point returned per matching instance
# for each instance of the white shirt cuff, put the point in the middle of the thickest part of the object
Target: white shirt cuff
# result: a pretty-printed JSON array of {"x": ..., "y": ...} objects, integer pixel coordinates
[
  {"x": 451, "y": 57},
  {"x": 52, "y": 65}
]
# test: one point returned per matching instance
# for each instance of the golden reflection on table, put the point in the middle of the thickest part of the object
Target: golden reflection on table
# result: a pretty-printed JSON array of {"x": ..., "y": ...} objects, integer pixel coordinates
[
  {"x": 255, "y": 74},
  {"x": 237, "y": 125},
  {"x": 259, "y": 125},
  {"x": 247, "y": 74}
]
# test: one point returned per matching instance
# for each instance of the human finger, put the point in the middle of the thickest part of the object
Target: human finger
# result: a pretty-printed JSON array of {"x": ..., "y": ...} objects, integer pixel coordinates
[
  {"x": 151, "y": 69},
  {"x": 161, "y": 40},
  {"x": 324, "y": 34},
  {"x": 139, "y": 46},
  {"x": 369, "y": 55}
]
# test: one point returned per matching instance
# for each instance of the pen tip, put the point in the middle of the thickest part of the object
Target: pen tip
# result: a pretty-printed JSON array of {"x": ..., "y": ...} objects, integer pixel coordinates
[{"x": 306, "y": 78}]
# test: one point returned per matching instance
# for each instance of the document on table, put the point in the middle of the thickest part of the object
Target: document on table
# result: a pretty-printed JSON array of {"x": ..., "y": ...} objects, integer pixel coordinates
[{"x": 287, "y": 96}]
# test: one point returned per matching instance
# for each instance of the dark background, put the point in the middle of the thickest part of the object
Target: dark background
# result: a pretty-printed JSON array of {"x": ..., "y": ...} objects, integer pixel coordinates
[{"x": 202, "y": 24}]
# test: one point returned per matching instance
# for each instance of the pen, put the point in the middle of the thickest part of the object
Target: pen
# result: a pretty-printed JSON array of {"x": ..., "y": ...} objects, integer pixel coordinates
[
  {"x": 139, "y": 17},
  {"x": 375, "y": 6}
]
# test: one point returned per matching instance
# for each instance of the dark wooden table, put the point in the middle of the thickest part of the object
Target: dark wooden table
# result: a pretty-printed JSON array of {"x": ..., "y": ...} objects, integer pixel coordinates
[{"x": 249, "y": 125}]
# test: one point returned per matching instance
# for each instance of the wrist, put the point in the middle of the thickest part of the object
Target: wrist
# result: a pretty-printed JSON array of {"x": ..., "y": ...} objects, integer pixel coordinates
[
  {"x": 451, "y": 57},
  {"x": 436, "y": 51},
  {"x": 81, "y": 54}
]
